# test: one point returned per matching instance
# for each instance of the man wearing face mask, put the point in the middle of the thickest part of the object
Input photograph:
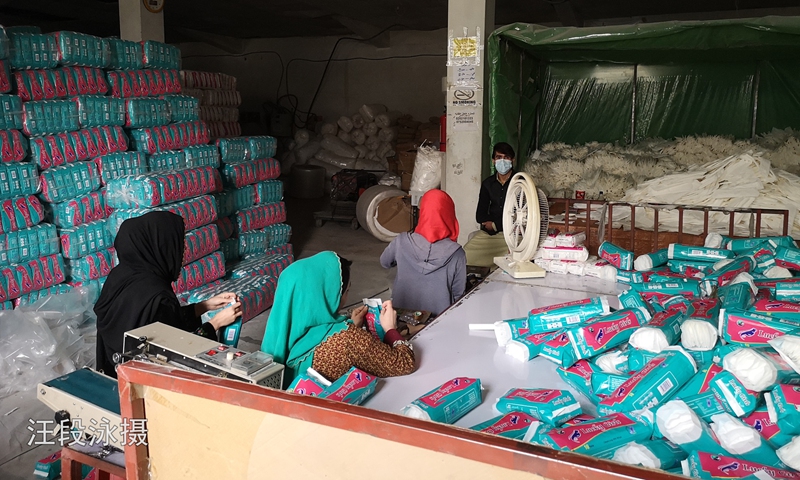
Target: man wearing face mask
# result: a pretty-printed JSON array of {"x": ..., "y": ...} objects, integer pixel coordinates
[{"x": 486, "y": 243}]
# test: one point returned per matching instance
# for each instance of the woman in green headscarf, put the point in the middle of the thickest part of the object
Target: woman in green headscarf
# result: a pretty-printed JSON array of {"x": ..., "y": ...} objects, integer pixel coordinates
[{"x": 305, "y": 330}]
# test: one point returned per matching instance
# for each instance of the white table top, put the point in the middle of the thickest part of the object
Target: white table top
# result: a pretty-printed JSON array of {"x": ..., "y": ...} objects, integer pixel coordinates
[{"x": 447, "y": 348}]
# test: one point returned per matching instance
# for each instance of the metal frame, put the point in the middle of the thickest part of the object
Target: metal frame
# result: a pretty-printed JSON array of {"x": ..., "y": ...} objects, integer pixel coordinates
[{"x": 489, "y": 449}]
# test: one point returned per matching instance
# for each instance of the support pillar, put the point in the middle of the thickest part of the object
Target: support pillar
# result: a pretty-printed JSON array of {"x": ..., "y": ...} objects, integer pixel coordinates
[
  {"x": 467, "y": 113},
  {"x": 137, "y": 23}
]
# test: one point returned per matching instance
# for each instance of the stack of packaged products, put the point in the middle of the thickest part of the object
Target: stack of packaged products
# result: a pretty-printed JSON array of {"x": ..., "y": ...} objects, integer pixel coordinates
[{"x": 219, "y": 101}]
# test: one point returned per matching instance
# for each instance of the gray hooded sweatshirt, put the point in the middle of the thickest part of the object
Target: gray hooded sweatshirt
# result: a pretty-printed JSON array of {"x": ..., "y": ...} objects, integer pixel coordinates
[{"x": 430, "y": 276}]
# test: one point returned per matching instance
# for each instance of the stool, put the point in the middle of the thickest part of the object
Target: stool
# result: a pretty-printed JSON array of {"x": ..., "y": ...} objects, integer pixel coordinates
[{"x": 72, "y": 462}]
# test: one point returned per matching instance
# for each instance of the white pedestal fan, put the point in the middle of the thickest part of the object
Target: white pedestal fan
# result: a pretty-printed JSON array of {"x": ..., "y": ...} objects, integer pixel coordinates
[{"x": 525, "y": 220}]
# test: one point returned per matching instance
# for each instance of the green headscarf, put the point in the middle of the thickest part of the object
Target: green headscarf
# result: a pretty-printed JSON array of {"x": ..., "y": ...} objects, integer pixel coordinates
[{"x": 304, "y": 313}]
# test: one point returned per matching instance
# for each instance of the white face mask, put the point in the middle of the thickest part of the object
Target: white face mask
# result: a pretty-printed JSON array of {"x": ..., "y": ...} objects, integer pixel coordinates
[{"x": 503, "y": 166}]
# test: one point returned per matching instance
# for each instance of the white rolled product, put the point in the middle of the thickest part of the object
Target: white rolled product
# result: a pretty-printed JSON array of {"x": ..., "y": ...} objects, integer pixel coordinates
[
  {"x": 698, "y": 335},
  {"x": 577, "y": 254},
  {"x": 575, "y": 239},
  {"x": 362, "y": 151},
  {"x": 387, "y": 134},
  {"x": 306, "y": 152},
  {"x": 714, "y": 240},
  {"x": 371, "y": 155},
  {"x": 388, "y": 119},
  {"x": 385, "y": 150},
  {"x": 777, "y": 272},
  {"x": 335, "y": 145},
  {"x": 370, "y": 129},
  {"x": 364, "y": 164},
  {"x": 329, "y": 129},
  {"x": 302, "y": 136},
  {"x": 747, "y": 279},
  {"x": 358, "y": 136},
  {"x": 651, "y": 454},
  {"x": 613, "y": 362},
  {"x": 680, "y": 425},
  {"x": 742, "y": 440},
  {"x": 345, "y": 123},
  {"x": 722, "y": 264},
  {"x": 753, "y": 370},
  {"x": 367, "y": 210},
  {"x": 788, "y": 347},
  {"x": 358, "y": 121},
  {"x": 372, "y": 110},
  {"x": 372, "y": 142},
  {"x": 335, "y": 160},
  {"x": 790, "y": 453},
  {"x": 601, "y": 269},
  {"x": 345, "y": 137},
  {"x": 427, "y": 169}
]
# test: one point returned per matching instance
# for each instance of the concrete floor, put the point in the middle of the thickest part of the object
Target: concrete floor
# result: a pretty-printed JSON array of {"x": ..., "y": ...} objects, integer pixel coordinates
[{"x": 17, "y": 458}]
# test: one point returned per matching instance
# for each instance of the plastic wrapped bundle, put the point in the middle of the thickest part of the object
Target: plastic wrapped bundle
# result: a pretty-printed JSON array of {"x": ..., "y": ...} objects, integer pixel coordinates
[
  {"x": 154, "y": 189},
  {"x": 20, "y": 212},
  {"x": 24, "y": 278},
  {"x": 13, "y": 146},
  {"x": 196, "y": 213},
  {"x": 226, "y": 226},
  {"x": 69, "y": 181},
  {"x": 37, "y": 295},
  {"x": 81, "y": 49},
  {"x": 283, "y": 250},
  {"x": 183, "y": 297},
  {"x": 252, "y": 243},
  {"x": 219, "y": 114},
  {"x": 277, "y": 235},
  {"x": 82, "y": 240},
  {"x": 230, "y": 248},
  {"x": 146, "y": 112},
  {"x": 49, "y": 116},
  {"x": 183, "y": 108},
  {"x": 5, "y": 77},
  {"x": 124, "y": 54},
  {"x": 143, "y": 83},
  {"x": 207, "y": 80},
  {"x": 171, "y": 137},
  {"x": 202, "y": 156},
  {"x": 60, "y": 83},
  {"x": 262, "y": 147},
  {"x": 234, "y": 150},
  {"x": 220, "y": 98},
  {"x": 224, "y": 129},
  {"x": 260, "y": 216},
  {"x": 99, "y": 111},
  {"x": 115, "y": 165},
  {"x": 93, "y": 266},
  {"x": 270, "y": 191},
  {"x": 251, "y": 172},
  {"x": 255, "y": 293},
  {"x": 80, "y": 210},
  {"x": 271, "y": 265},
  {"x": 10, "y": 112},
  {"x": 33, "y": 50},
  {"x": 28, "y": 244},
  {"x": 201, "y": 242},
  {"x": 200, "y": 272},
  {"x": 18, "y": 179},
  {"x": 169, "y": 160},
  {"x": 160, "y": 55},
  {"x": 54, "y": 150},
  {"x": 231, "y": 201}
]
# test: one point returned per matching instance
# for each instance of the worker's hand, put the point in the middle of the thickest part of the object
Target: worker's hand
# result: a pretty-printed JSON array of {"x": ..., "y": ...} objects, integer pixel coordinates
[
  {"x": 219, "y": 301},
  {"x": 489, "y": 226},
  {"x": 358, "y": 315},
  {"x": 227, "y": 316},
  {"x": 388, "y": 317}
]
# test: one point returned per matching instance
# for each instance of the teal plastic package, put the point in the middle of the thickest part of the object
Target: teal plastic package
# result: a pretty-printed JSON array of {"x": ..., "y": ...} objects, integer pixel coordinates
[
  {"x": 782, "y": 404},
  {"x": 553, "y": 407},
  {"x": 526, "y": 348},
  {"x": 788, "y": 257},
  {"x": 693, "y": 253},
  {"x": 651, "y": 453},
  {"x": 229, "y": 335},
  {"x": 705, "y": 465},
  {"x": 702, "y": 359},
  {"x": 689, "y": 288},
  {"x": 739, "y": 245},
  {"x": 512, "y": 425},
  {"x": 680, "y": 424},
  {"x": 566, "y": 315},
  {"x": 726, "y": 274},
  {"x": 448, "y": 402},
  {"x": 614, "y": 361},
  {"x": 632, "y": 299},
  {"x": 507, "y": 330},
  {"x": 604, "y": 383},
  {"x": 690, "y": 268},
  {"x": 629, "y": 277},
  {"x": 787, "y": 292},
  {"x": 775, "y": 308},
  {"x": 651, "y": 386},
  {"x": 579, "y": 377},
  {"x": 697, "y": 393},
  {"x": 752, "y": 329},
  {"x": 600, "y": 437},
  {"x": 737, "y": 296},
  {"x": 759, "y": 369},
  {"x": 373, "y": 319},
  {"x": 354, "y": 387},
  {"x": 606, "y": 332},
  {"x": 616, "y": 256},
  {"x": 558, "y": 350},
  {"x": 637, "y": 359},
  {"x": 650, "y": 261},
  {"x": 772, "y": 433},
  {"x": 763, "y": 254},
  {"x": 662, "y": 331},
  {"x": 733, "y": 396}
]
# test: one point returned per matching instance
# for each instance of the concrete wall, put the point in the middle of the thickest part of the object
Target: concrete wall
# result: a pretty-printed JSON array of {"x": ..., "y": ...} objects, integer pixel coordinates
[{"x": 410, "y": 85}]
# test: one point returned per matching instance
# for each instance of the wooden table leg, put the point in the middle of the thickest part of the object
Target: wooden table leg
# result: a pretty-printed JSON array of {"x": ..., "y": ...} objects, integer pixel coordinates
[{"x": 70, "y": 468}]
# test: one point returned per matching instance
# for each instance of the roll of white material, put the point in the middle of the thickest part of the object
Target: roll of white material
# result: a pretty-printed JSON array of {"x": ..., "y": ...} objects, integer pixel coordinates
[
  {"x": 362, "y": 151},
  {"x": 367, "y": 210},
  {"x": 370, "y": 111},
  {"x": 336, "y": 146},
  {"x": 649, "y": 339},
  {"x": 301, "y": 137},
  {"x": 385, "y": 150},
  {"x": 777, "y": 272},
  {"x": 358, "y": 136},
  {"x": 637, "y": 454},
  {"x": 734, "y": 435},
  {"x": 790, "y": 453},
  {"x": 335, "y": 160},
  {"x": 364, "y": 164},
  {"x": 678, "y": 423},
  {"x": 714, "y": 240},
  {"x": 345, "y": 124},
  {"x": 788, "y": 346},
  {"x": 387, "y": 134},
  {"x": 610, "y": 362},
  {"x": 388, "y": 119},
  {"x": 345, "y": 137},
  {"x": 329, "y": 129},
  {"x": 370, "y": 129},
  {"x": 698, "y": 335},
  {"x": 747, "y": 279},
  {"x": 307, "y": 151},
  {"x": 358, "y": 121},
  {"x": 373, "y": 142},
  {"x": 722, "y": 263},
  {"x": 754, "y": 371}
]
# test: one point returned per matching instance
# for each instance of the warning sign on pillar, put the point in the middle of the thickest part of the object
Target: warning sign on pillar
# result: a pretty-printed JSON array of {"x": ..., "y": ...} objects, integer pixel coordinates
[
  {"x": 465, "y": 121},
  {"x": 464, "y": 97}
]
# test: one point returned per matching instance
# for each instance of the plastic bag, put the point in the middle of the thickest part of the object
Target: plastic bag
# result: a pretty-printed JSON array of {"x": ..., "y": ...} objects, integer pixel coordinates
[
  {"x": 362, "y": 151},
  {"x": 370, "y": 111},
  {"x": 307, "y": 151},
  {"x": 369, "y": 165},
  {"x": 373, "y": 142},
  {"x": 329, "y": 129},
  {"x": 345, "y": 124},
  {"x": 427, "y": 169},
  {"x": 370, "y": 129},
  {"x": 385, "y": 150},
  {"x": 388, "y": 119},
  {"x": 390, "y": 180},
  {"x": 388, "y": 134},
  {"x": 335, "y": 160},
  {"x": 345, "y": 137},
  {"x": 301, "y": 137},
  {"x": 358, "y": 136},
  {"x": 335, "y": 145},
  {"x": 358, "y": 121}
]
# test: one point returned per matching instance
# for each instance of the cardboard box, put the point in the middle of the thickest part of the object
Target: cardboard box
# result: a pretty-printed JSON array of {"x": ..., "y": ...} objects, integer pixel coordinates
[
  {"x": 405, "y": 181},
  {"x": 394, "y": 214},
  {"x": 405, "y": 160}
]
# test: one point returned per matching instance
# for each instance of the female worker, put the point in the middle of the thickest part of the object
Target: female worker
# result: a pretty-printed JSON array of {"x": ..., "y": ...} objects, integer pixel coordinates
[
  {"x": 139, "y": 292},
  {"x": 431, "y": 266},
  {"x": 305, "y": 330}
]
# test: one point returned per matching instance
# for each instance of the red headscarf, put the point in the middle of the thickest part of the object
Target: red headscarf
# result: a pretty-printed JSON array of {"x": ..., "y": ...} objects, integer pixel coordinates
[{"x": 437, "y": 217}]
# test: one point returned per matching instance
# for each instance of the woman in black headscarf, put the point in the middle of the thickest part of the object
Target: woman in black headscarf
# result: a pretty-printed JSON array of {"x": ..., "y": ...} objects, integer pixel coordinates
[{"x": 139, "y": 292}]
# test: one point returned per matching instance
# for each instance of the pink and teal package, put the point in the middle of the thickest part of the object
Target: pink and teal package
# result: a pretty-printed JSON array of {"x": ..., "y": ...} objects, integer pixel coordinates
[
  {"x": 566, "y": 315},
  {"x": 81, "y": 49},
  {"x": 202, "y": 156},
  {"x": 84, "y": 209},
  {"x": 234, "y": 150},
  {"x": 553, "y": 407},
  {"x": 788, "y": 257},
  {"x": 277, "y": 234},
  {"x": 160, "y": 55},
  {"x": 512, "y": 425},
  {"x": 154, "y": 189},
  {"x": 524, "y": 348},
  {"x": 606, "y": 332},
  {"x": 579, "y": 377},
  {"x": 373, "y": 318},
  {"x": 70, "y": 181},
  {"x": 125, "y": 54},
  {"x": 354, "y": 387},
  {"x": 726, "y": 274},
  {"x": 255, "y": 293},
  {"x": 31, "y": 50},
  {"x": 769, "y": 429},
  {"x": 200, "y": 242},
  {"x": 47, "y": 117},
  {"x": 10, "y": 112},
  {"x": 558, "y": 350},
  {"x": 92, "y": 266},
  {"x": 448, "y": 402},
  {"x": 18, "y": 179},
  {"x": 248, "y": 173},
  {"x": 200, "y": 272},
  {"x": 304, "y": 384},
  {"x": 28, "y": 244},
  {"x": 143, "y": 83},
  {"x": 115, "y": 165},
  {"x": 260, "y": 216},
  {"x": 616, "y": 256},
  {"x": 774, "y": 308},
  {"x": 174, "y": 136},
  {"x": 599, "y": 437},
  {"x": 733, "y": 396},
  {"x": 782, "y": 404},
  {"x": 84, "y": 239},
  {"x": 27, "y": 277},
  {"x": 748, "y": 328},
  {"x": 37, "y": 295},
  {"x": 20, "y": 212},
  {"x": 710, "y": 466},
  {"x": 146, "y": 112},
  {"x": 699, "y": 396},
  {"x": 271, "y": 265},
  {"x": 231, "y": 201},
  {"x": 13, "y": 146},
  {"x": 183, "y": 108},
  {"x": 269, "y": 191},
  {"x": 262, "y": 147}
]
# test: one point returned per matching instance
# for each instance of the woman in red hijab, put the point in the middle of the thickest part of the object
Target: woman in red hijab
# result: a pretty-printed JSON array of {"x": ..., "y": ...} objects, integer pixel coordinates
[{"x": 431, "y": 266}]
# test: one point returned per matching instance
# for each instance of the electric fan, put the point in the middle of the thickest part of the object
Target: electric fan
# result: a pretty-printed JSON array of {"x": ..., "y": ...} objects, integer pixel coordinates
[{"x": 525, "y": 219}]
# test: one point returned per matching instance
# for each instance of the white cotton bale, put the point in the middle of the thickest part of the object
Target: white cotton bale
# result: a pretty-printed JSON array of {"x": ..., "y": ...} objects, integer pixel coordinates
[
  {"x": 370, "y": 129},
  {"x": 365, "y": 164},
  {"x": 358, "y": 136},
  {"x": 335, "y": 160},
  {"x": 385, "y": 150},
  {"x": 373, "y": 142},
  {"x": 371, "y": 155},
  {"x": 362, "y": 151},
  {"x": 388, "y": 134},
  {"x": 345, "y": 123},
  {"x": 358, "y": 121},
  {"x": 345, "y": 137},
  {"x": 388, "y": 119},
  {"x": 301, "y": 137},
  {"x": 336, "y": 146},
  {"x": 329, "y": 129},
  {"x": 307, "y": 151},
  {"x": 370, "y": 111}
]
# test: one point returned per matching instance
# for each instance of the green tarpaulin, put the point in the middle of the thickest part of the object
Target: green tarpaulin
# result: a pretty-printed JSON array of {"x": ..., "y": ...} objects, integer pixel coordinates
[{"x": 626, "y": 83}]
